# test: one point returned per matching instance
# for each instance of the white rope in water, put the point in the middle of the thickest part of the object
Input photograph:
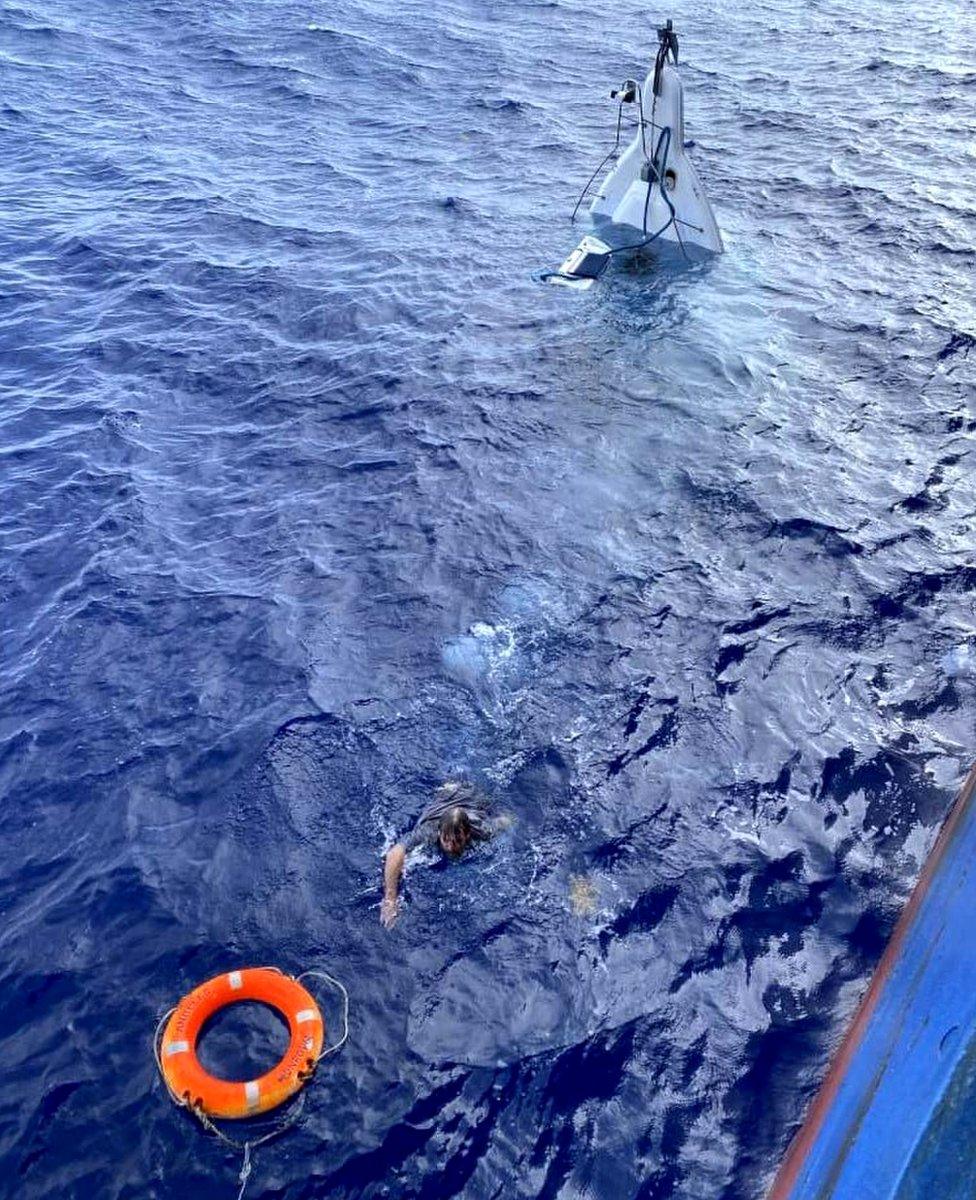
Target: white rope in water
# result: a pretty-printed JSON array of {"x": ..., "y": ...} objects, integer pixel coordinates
[
  {"x": 345, "y": 1009},
  {"x": 245, "y": 1174},
  {"x": 159, "y": 1062},
  {"x": 247, "y": 1146}
]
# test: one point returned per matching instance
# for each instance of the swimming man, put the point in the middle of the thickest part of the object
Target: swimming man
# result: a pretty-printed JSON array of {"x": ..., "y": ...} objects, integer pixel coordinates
[{"x": 458, "y": 818}]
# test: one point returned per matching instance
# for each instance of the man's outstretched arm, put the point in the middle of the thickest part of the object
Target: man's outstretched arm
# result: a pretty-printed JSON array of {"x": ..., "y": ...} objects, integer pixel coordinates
[{"x": 392, "y": 870}]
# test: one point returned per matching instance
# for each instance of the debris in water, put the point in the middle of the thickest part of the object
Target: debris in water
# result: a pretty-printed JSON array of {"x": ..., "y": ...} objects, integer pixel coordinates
[{"x": 582, "y": 895}]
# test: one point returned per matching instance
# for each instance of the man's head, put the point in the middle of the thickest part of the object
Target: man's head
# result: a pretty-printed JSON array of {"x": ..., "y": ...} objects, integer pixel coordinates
[{"x": 456, "y": 832}]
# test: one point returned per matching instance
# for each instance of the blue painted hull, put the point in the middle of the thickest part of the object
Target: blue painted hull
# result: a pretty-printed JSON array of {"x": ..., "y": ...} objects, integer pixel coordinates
[{"x": 896, "y": 1116}]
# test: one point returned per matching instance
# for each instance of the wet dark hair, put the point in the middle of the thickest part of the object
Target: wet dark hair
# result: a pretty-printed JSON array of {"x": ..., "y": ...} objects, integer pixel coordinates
[{"x": 456, "y": 830}]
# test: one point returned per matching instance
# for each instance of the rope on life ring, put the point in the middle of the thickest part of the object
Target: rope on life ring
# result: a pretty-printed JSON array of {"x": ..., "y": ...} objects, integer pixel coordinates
[{"x": 206, "y": 1096}]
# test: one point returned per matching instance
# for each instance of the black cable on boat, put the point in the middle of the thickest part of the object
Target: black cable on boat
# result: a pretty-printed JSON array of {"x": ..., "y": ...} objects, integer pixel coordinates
[
  {"x": 603, "y": 162},
  {"x": 659, "y": 164},
  {"x": 667, "y": 47}
]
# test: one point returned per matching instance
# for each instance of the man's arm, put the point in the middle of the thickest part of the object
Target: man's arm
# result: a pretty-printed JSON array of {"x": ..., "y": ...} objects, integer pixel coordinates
[{"x": 392, "y": 870}]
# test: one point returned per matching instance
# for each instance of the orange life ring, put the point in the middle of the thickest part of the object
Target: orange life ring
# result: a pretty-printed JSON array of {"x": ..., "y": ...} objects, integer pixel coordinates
[{"x": 190, "y": 1084}]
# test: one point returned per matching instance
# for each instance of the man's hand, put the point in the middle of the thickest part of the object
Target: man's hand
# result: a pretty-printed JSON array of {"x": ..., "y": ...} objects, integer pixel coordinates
[
  {"x": 389, "y": 911},
  {"x": 392, "y": 870}
]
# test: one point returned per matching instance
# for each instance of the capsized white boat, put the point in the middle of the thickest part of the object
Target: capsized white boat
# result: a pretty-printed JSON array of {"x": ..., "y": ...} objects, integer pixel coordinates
[{"x": 652, "y": 195}]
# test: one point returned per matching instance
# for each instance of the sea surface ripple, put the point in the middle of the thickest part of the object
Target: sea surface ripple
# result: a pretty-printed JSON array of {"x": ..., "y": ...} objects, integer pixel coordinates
[{"x": 311, "y": 496}]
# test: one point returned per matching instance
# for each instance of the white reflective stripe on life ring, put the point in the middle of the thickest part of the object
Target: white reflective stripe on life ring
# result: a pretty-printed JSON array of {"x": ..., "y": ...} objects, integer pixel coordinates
[
  {"x": 176, "y": 1048},
  {"x": 252, "y": 1093},
  {"x": 235, "y": 981},
  {"x": 306, "y": 1014}
]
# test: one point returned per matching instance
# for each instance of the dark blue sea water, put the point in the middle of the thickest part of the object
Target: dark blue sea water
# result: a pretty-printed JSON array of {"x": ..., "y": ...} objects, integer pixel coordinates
[{"x": 311, "y": 496}]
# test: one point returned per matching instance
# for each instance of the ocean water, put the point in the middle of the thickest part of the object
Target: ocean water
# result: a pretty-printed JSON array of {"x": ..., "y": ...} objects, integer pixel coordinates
[{"x": 311, "y": 496}]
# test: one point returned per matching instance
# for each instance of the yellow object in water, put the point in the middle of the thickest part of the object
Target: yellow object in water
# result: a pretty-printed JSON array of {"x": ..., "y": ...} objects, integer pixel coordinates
[{"x": 582, "y": 895}]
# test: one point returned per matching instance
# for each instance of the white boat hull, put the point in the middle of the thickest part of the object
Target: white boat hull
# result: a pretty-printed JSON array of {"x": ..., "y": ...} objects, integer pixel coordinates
[{"x": 652, "y": 197}]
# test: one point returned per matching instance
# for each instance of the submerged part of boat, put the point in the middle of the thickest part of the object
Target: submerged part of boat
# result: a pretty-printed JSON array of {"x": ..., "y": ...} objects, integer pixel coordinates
[{"x": 652, "y": 194}]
